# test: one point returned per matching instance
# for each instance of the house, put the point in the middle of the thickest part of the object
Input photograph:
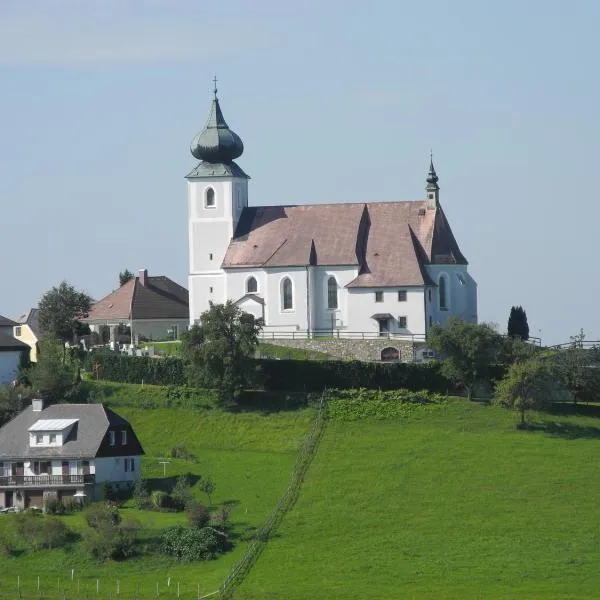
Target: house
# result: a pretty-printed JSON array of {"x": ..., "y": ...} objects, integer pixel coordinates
[
  {"x": 12, "y": 353},
  {"x": 6, "y": 325},
  {"x": 27, "y": 330},
  {"x": 355, "y": 270},
  {"x": 152, "y": 307},
  {"x": 65, "y": 451}
]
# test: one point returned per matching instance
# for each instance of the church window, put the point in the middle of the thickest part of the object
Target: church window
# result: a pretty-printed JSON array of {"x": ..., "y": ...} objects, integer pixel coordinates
[
  {"x": 210, "y": 289},
  {"x": 210, "y": 198},
  {"x": 210, "y": 256},
  {"x": 239, "y": 199},
  {"x": 332, "y": 293},
  {"x": 251, "y": 285},
  {"x": 287, "y": 300},
  {"x": 443, "y": 293},
  {"x": 402, "y": 322},
  {"x": 401, "y": 295},
  {"x": 379, "y": 296}
]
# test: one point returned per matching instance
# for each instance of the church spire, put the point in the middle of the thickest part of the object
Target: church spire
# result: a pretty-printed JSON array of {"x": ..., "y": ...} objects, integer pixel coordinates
[
  {"x": 433, "y": 189},
  {"x": 216, "y": 143}
]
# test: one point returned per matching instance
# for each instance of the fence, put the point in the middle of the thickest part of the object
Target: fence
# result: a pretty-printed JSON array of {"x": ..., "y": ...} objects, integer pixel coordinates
[
  {"x": 71, "y": 587},
  {"x": 330, "y": 334},
  {"x": 305, "y": 455}
]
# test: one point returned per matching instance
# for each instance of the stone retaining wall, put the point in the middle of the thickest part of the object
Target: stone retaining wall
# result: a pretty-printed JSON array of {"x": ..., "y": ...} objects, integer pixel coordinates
[{"x": 347, "y": 349}]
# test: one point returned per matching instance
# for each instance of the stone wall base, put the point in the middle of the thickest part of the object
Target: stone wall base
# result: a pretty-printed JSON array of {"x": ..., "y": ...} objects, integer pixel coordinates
[{"x": 351, "y": 349}]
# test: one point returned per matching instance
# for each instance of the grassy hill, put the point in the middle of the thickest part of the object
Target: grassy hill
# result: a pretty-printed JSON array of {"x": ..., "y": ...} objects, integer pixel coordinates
[
  {"x": 452, "y": 502},
  {"x": 248, "y": 454}
]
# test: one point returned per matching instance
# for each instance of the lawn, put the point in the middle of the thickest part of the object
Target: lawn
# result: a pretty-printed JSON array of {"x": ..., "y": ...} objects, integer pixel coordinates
[
  {"x": 248, "y": 455},
  {"x": 452, "y": 503}
]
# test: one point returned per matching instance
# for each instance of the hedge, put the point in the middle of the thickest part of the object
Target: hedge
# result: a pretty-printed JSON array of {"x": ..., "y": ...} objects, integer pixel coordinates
[{"x": 280, "y": 375}]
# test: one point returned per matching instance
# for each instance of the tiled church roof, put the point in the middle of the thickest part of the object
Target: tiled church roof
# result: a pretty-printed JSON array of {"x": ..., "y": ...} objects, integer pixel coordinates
[{"x": 388, "y": 241}]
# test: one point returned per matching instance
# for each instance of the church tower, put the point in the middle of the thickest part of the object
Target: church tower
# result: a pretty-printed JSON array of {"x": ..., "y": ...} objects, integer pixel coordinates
[
  {"x": 433, "y": 189},
  {"x": 217, "y": 194}
]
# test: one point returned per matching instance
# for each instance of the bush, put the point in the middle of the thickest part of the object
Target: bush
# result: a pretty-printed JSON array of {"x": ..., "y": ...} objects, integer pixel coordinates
[
  {"x": 181, "y": 493},
  {"x": 54, "y": 506},
  {"x": 41, "y": 531},
  {"x": 197, "y": 514},
  {"x": 180, "y": 451},
  {"x": 108, "y": 492},
  {"x": 160, "y": 499},
  {"x": 112, "y": 541},
  {"x": 187, "y": 545},
  {"x": 102, "y": 514},
  {"x": 141, "y": 494}
]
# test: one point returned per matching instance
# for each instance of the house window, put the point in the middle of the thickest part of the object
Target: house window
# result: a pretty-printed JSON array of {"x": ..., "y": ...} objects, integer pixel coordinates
[
  {"x": 402, "y": 322},
  {"x": 429, "y": 291},
  {"x": 53, "y": 438},
  {"x": 133, "y": 464},
  {"x": 42, "y": 468},
  {"x": 111, "y": 438},
  {"x": 18, "y": 331},
  {"x": 379, "y": 296},
  {"x": 287, "y": 298},
  {"x": 443, "y": 293},
  {"x": 209, "y": 200},
  {"x": 401, "y": 295},
  {"x": 430, "y": 320},
  {"x": 126, "y": 464},
  {"x": 123, "y": 437},
  {"x": 251, "y": 285},
  {"x": 332, "y": 293},
  {"x": 39, "y": 438}
]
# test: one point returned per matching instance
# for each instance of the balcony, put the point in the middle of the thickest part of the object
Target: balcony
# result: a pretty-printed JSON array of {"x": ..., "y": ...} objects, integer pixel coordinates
[{"x": 44, "y": 481}]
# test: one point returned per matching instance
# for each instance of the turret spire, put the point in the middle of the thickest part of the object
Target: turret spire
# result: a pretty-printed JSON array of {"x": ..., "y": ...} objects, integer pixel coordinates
[{"x": 433, "y": 189}]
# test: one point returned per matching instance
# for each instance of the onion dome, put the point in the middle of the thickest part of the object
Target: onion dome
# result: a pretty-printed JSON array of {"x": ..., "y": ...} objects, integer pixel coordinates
[{"x": 216, "y": 143}]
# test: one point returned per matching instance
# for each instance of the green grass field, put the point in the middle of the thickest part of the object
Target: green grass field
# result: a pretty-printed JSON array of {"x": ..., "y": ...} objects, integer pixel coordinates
[
  {"x": 248, "y": 455},
  {"x": 452, "y": 503}
]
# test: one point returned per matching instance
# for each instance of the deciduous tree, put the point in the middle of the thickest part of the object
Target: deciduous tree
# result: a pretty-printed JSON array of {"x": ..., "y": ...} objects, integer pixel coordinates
[
  {"x": 527, "y": 385},
  {"x": 468, "y": 350},
  {"x": 60, "y": 311},
  {"x": 219, "y": 352}
]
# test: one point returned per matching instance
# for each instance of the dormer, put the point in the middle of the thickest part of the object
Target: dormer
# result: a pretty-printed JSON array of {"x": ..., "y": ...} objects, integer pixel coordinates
[{"x": 50, "y": 433}]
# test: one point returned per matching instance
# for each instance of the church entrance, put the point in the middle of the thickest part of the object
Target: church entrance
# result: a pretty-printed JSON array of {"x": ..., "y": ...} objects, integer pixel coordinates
[{"x": 384, "y": 327}]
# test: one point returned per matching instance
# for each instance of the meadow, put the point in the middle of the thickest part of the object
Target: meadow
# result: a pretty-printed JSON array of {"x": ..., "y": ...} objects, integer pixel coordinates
[
  {"x": 249, "y": 455},
  {"x": 449, "y": 502}
]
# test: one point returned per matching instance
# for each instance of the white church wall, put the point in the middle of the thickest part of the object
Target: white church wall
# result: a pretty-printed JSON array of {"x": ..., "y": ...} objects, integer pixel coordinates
[
  {"x": 208, "y": 249},
  {"x": 362, "y": 306},
  {"x": 296, "y": 318},
  {"x": 323, "y": 317},
  {"x": 204, "y": 289},
  {"x": 461, "y": 289}
]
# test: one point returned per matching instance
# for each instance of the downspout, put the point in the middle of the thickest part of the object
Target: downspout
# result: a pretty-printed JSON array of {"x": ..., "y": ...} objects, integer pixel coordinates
[{"x": 308, "y": 311}]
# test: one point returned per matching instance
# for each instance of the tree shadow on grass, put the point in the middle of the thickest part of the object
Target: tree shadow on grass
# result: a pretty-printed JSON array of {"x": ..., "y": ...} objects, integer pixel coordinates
[
  {"x": 567, "y": 431},
  {"x": 569, "y": 408}
]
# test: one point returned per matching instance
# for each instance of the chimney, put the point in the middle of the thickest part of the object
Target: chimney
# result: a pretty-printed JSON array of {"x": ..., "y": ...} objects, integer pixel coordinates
[
  {"x": 143, "y": 276},
  {"x": 37, "y": 405}
]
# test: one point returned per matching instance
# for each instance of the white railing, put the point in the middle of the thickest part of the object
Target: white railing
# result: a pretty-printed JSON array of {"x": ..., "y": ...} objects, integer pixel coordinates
[{"x": 332, "y": 334}]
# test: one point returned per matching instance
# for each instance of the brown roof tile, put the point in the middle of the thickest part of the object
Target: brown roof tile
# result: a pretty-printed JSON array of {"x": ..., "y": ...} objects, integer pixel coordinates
[
  {"x": 159, "y": 298},
  {"x": 388, "y": 241}
]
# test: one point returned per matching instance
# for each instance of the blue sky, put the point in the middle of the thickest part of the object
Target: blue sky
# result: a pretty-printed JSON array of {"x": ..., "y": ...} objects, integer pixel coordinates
[{"x": 335, "y": 101}]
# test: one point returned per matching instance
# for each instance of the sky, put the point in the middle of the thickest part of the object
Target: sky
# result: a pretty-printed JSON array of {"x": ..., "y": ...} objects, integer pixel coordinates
[{"x": 336, "y": 101}]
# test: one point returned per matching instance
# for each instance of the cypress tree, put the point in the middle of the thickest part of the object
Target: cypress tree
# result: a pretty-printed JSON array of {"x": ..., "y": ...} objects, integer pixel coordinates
[{"x": 517, "y": 323}]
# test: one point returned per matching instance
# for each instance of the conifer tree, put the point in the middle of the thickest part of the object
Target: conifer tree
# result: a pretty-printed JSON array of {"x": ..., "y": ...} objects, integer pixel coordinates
[{"x": 517, "y": 323}]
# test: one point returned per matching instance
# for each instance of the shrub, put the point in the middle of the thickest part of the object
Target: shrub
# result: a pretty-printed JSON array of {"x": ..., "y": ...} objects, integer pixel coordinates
[
  {"x": 180, "y": 451},
  {"x": 197, "y": 514},
  {"x": 141, "y": 494},
  {"x": 192, "y": 544},
  {"x": 108, "y": 492},
  {"x": 54, "y": 506},
  {"x": 41, "y": 531},
  {"x": 160, "y": 499},
  {"x": 102, "y": 514},
  {"x": 181, "y": 493}
]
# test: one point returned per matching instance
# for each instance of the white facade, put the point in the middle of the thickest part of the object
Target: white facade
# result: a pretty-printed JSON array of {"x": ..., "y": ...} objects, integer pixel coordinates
[{"x": 9, "y": 365}]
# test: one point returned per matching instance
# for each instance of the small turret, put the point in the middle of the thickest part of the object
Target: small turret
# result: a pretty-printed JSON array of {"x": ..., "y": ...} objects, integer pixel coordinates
[{"x": 433, "y": 189}]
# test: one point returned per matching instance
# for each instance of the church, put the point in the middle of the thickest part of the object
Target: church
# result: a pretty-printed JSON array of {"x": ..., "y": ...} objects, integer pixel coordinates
[{"x": 375, "y": 269}]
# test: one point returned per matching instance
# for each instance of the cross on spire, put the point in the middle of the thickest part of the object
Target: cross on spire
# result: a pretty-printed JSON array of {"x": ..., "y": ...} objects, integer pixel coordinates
[{"x": 215, "y": 85}]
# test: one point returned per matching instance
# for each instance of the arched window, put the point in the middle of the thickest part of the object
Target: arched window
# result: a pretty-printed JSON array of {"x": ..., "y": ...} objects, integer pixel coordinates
[
  {"x": 210, "y": 198},
  {"x": 388, "y": 354},
  {"x": 332, "y": 293},
  {"x": 443, "y": 293},
  {"x": 287, "y": 299},
  {"x": 251, "y": 285}
]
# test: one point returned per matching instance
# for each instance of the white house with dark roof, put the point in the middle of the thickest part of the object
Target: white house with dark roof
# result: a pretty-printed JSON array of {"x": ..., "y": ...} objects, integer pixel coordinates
[
  {"x": 389, "y": 269},
  {"x": 65, "y": 451}
]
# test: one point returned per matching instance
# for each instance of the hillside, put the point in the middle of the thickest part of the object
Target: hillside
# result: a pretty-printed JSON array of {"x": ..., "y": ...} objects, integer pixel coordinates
[
  {"x": 451, "y": 503},
  {"x": 249, "y": 455}
]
